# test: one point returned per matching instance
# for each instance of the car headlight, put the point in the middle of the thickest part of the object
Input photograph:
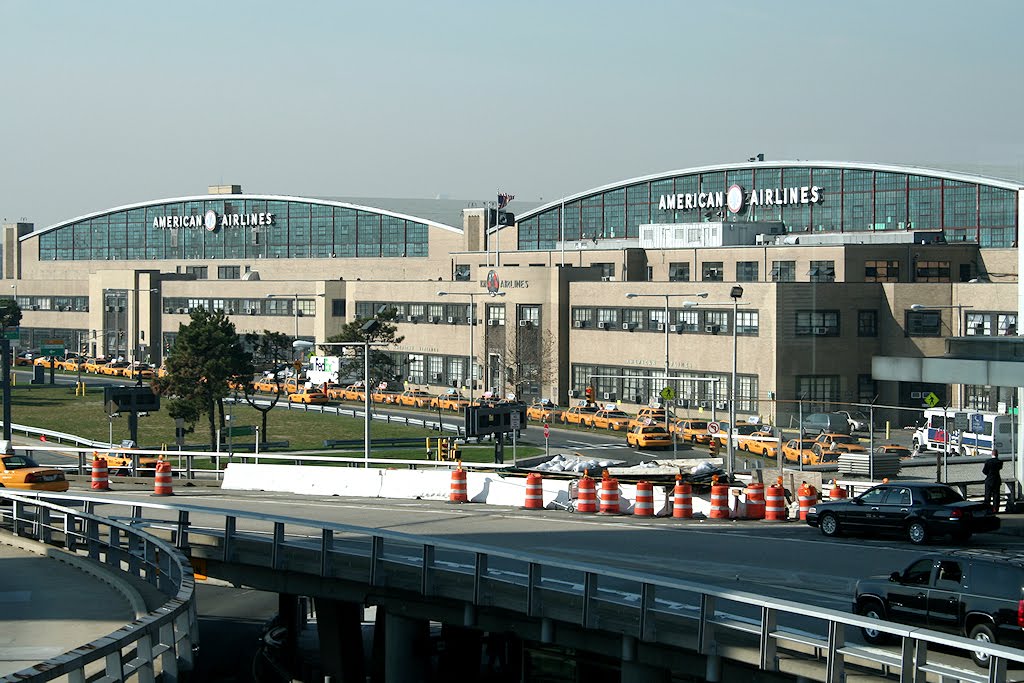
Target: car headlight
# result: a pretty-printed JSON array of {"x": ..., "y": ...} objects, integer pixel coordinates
[{"x": 813, "y": 510}]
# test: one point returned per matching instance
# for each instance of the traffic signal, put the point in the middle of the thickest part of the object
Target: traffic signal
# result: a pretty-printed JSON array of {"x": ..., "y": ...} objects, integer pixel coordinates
[
  {"x": 501, "y": 218},
  {"x": 589, "y": 393}
]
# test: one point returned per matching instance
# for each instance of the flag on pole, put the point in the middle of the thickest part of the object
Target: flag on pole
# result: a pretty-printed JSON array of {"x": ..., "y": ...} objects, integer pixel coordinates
[{"x": 504, "y": 199}]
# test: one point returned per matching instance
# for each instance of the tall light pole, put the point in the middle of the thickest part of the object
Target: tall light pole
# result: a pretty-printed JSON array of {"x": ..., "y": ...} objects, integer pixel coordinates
[
  {"x": 135, "y": 330},
  {"x": 736, "y": 293},
  {"x": 959, "y": 326},
  {"x": 686, "y": 304},
  {"x": 472, "y": 323},
  {"x": 367, "y": 328}
]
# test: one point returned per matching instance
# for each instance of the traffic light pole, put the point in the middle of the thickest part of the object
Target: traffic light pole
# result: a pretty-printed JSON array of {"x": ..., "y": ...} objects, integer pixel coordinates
[{"x": 5, "y": 351}]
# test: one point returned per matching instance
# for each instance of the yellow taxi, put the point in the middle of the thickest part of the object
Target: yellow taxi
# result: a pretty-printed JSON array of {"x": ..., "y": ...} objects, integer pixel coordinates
[
  {"x": 47, "y": 362},
  {"x": 71, "y": 363},
  {"x": 577, "y": 415},
  {"x": 609, "y": 418},
  {"x": 414, "y": 398},
  {"x": 694, "y": 431},
  {"x": 796, "y": 450},
  {"x": 760, "y": 441},
  {"x": 24, "y": 358},
  {"x": 138, "y": 369},
  {"x": 307, "y": 395},
  {"x": 265, "y": 385},
  {"x": 649, "y": 415},
  {"x": 161, "y": 371},
  {"x": 22, "y": 473},
  {"x": 542, "y": 411},
  {"x": 113, "y": 368},
  {"x": 383, "y": 396},
  {"x": 902, "y": 452},
  {"x": 120, "y": 464},
  {"x": 93, "y": 365},
  {"x": 450, "y": 400},
  {"x": 648, "y": 436},
  {"x": 837, "y": 443}
]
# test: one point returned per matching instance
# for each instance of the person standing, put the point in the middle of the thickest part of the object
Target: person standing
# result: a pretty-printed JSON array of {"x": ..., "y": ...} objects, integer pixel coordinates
[{"x": 993, "y": 482}]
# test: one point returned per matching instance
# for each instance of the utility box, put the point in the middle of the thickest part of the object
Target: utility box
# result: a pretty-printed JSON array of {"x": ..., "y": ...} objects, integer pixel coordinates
[{"x": 38, "y": 374}]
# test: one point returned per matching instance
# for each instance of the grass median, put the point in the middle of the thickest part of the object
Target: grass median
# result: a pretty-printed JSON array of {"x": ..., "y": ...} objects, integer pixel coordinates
[{"x": 57, "y": 408}]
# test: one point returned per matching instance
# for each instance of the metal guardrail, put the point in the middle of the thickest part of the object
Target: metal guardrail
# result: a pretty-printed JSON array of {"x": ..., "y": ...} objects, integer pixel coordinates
[
  {"x": 160, "y": 644},
  {"x": 779, "y": 635}
]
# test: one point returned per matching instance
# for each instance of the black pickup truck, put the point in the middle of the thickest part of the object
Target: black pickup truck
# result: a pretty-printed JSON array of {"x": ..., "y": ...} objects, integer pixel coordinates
[{"x": 974, "y": 593}]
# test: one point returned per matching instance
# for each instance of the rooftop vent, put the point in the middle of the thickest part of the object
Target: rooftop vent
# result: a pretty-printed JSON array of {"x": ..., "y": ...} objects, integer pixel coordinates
[{"x": 224, "y": 189}]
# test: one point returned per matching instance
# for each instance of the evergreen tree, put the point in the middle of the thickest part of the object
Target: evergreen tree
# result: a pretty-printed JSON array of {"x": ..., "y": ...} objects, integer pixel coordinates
[
  {"x": 270, "y": 353},
  {"x": 207, "y": 354},
  {"x": 10, "y": 314}
]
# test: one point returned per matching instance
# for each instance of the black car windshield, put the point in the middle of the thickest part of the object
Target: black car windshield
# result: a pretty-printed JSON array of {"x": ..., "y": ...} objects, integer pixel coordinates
[{"x": 942, "y": 495}]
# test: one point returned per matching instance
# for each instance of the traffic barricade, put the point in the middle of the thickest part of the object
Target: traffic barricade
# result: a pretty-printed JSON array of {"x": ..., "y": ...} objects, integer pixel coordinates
[
  {"x": 457, "y": 493},
  {"x": 586, "y": 492},
  {"x": 754, "y": 495},
  {"x": 775, "y": 503},
  {"x": 643, "y": 506},
  {"x": 682, "y": 500},
  {"x": 719, "y": 500},
  {"x": 837, "y": 492},
  {"x": 807, "y": 495},
  {"x": 534, "y": 492},
  {"x": 609, "y": 495},
  {"x": 100, "y": 480},
  {"x": 162, "y": 485}
]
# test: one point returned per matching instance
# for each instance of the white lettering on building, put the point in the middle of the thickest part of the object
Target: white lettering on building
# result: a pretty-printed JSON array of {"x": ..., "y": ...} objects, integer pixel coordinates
[
  {"x": 234, "y": 220},
  {"x": 781, "y": 196}
]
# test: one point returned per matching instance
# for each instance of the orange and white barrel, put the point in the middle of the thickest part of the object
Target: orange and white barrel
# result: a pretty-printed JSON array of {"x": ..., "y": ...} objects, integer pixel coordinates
[
  {"x": 586, "y": 495},
  {"x": 643, "y": 506},
  {"x": 162, "y": 485},
  {"x": 457, "y": 493},
  {"x": 534, "y": 492},
  {"x": 754, "y": 495},
  {"x": 837, "y": 492},
  {"x": 807, "y": 495},
  {"x": 775, "y": 503},
  {"x": 609, "y": 496},
  {"x": 100, "y": 480},
  {"x": 682, "y": 500},
  {"x": 719, "y": 501}
]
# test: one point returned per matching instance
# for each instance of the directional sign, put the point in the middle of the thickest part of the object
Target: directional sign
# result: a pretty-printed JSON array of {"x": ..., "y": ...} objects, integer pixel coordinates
[
  {"x": 546, "y": 432},
  {"x": 931, "y": 399},
  {"x": 668, "y": 393},
  {"x": 977, "y": 423},
  {"x": 12, "y": 333},
  {"x": 52, "y": 349},
  {"x": 714, "y": 427}
]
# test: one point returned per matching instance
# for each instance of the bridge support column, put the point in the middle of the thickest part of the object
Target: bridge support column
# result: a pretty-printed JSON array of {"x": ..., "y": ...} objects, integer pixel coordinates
[
  {"x": 291, "y": 617},
  {"x": 714, "y": 669},
  {"x": 635, "y": 672},
  {"x": 339, "y": 625},
  {"x": 406, "y": 653}
]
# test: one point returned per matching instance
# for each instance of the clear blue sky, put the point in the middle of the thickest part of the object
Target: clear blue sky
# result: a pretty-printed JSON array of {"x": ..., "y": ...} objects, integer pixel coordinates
[{"x": 113, "y": 102}]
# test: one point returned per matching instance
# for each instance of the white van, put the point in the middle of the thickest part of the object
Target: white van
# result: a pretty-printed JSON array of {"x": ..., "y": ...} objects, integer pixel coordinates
[{"x": 985, "y": 431}]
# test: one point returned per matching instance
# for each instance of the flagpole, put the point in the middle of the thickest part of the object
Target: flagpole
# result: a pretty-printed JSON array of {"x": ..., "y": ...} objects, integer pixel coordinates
[
  {"x": 561, "y": 230},
  {"x": 497, "y": 235}
]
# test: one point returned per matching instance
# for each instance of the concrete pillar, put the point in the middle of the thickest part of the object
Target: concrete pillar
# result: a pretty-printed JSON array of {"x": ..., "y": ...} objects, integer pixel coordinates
[
  {"x": 339, "y": 626},
  {"x": 461, "y": 656},
  {"x": 406, "y": 649},
  {"x": 714, "y": 669},
  {"x": 289, "y": 616}
]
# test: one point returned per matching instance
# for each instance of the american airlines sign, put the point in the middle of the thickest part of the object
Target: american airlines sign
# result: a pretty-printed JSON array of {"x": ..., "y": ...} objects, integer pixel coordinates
[
  {"x": 211, "y": 220},
  {"x": 736, "y": 198}
]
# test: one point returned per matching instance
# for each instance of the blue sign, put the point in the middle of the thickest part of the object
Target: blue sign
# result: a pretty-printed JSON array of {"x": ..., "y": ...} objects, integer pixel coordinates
[{"x": 977, "y": 423}]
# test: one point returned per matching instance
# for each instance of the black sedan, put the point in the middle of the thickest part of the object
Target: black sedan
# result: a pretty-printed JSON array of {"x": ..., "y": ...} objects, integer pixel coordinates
[{"x": 917, "y": 510}]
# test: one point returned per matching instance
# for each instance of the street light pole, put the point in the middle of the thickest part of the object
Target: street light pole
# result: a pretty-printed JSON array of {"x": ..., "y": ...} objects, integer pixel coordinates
[
  {"x": 472, "y": 323},
  {"x": 736, "y": 293}
]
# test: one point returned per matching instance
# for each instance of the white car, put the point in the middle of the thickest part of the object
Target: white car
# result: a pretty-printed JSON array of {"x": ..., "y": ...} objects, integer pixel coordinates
[{"x": 859, "y": 421}]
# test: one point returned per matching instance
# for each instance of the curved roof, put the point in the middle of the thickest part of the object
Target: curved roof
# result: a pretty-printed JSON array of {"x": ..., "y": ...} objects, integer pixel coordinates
[
  {"x": 221, "y": 197},
  {"x": 887, "y": 168}
]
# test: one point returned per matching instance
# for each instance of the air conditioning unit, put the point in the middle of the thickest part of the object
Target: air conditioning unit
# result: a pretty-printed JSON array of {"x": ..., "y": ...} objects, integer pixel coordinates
[
  {"x": 574, "y": 394},
  {"x": 182, "y": 310},
  {"x": 120, "y": 308},
  {"x": 168, "y": 310},
  {"x": 34, "y": 307},
  {"x": 722, "y": 405},
  {"x": 578, "y": 323},
  {"x": 435, "y": 318},
  {"x": 602, "y": 325},
  {"x": 525, "y": 323},
  {"x": 451, "y": 320},
  {"x": 493, "y": 322},
  {"x": 437, "y": 376},
  {"x": 629, "y": 326},
  {"x": 661, "y": 327},
  {"x": 703, "y": 404},
  {"x": 678, "y": 329},
  {"x": 610, "y": 396},
  {"x": 108, "y": 309},
  {"x": 253, "y": 311},
  {"x": 608, "y": 278},
  {"x": 712, "y": 329},
  {"x": 410, "y": 318},
  {"x": 820, "y": 331}
]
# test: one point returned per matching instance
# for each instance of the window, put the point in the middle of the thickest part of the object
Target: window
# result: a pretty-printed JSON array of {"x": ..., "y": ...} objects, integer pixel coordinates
[
  {"x": 822, "y": 271},
  {"x": 198, "y": 271},
  {"x": 820, "y": 390},
  {"x": 461, "y": 272},
  {"x": 690, "y": 320},
  {"x": 950, "y": 574},
  {"x": 634, "y": 317},
  {"x": 435, "y": 368},
  {"x": 923, "y": 323},
  {"x": 607, "y": 270},
  {"x": 530, "y": 314},
  {"x": 867, "y": 389},
  {"x": 712, "y": 271},
  {"x": 817, "y": 323},
  {"x": 783, "y": 271},
  {"x": 1007, "y": 324},
  {"x": 655, "y": 318},
  {"x": 881, "y": 271},
  {"x": 931, "y": 271},
  {"x": 867, "y": 323},
  {"x": 716, "y": 322},
  {"x": 582, "y": 317},
  {"x": 229, "y": 272},
  {"x": 338, "y": 308},
  {"x": 746, "y": 322},
  {"x": 978, "y": 324},
  {"x": 277, "y": 307},
  {"x": 746, "y": 271},
  {"x": 608, "y": 317},
  {"x": 496, "y": 313},
  {"x": 307, "y": 307},
  {"x": 679, "y": 272}
]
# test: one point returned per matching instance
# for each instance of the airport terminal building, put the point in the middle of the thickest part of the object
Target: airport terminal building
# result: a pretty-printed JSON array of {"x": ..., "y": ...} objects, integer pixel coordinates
[{"x": 809, "y": 269}]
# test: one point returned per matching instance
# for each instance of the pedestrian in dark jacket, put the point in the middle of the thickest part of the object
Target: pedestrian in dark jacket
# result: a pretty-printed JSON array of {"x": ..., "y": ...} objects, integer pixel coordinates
[{"x": 993, "y": 482}]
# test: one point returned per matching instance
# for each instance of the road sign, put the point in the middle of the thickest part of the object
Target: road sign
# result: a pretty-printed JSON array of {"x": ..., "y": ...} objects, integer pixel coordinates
[
  {"x": 931, "y": 399},
  {"x": 714, "y": 427},
  {"x": 514, "y": 421},
  {"x": 960, "y": 422},
  {"x": 297, "y": 365},
  {"x": 12, "y": 333},
  {"x": 668, "y": 393},
  {"x": 546, "y": 431},
  {"x": 50, "y": 349},
  {"x": 977, "y": 423}
]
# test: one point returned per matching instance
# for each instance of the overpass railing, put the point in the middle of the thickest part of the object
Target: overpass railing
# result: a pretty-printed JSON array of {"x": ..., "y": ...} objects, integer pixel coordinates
[
  {"x": 767, "y": 633},
  {"x": 158, "y": 645}
]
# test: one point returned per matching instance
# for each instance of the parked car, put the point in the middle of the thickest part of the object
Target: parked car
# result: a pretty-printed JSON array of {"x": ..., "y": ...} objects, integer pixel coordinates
[
  {"x": 24, "y": 358},
  {"x": 763, "y": 441},
  {"x": 797, "y": 450},
  {"x": 694, "y": 431},
  {"x": 648, "y": 436},
  {"x": 414, "y": 398},
  {"x": 542, "y": 411},
  {"x": 608, "y": 418},
  {"x": 919, "y": 511},
  {"x": 307, "y": 395},
  {"x": 649, "y": 415},
  {"x": 450, "y": 400},
  {"x": 22, "y": 473},
  {"x": 975, "y": 594},
  {"x": 836, "y": 443},
  {"x": 578, "y": 415},
  {"x": 859, "y": 420},
  {"x": 818, "y": 423},
  {"x": 894, "y": 449}
]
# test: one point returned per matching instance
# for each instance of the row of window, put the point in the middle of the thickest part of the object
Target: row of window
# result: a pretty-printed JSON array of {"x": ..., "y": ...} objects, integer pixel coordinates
[
  {"x": 693, "y": 389},
  {"x": 249, "y": 228},
  {"x": 818, "y": 271},
  {"x": 53, "y": 303},
  {"x": 680, "y": 321},
  {"x": 223, "y": 272},
  {"x": 851, "y": 200},
  {"x": 452, "y": 314},
  {"x": 284, "y": 306}
]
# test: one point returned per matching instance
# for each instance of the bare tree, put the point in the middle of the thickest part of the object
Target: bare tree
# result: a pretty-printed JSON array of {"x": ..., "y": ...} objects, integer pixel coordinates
[{"x": 530, "y": 359}]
